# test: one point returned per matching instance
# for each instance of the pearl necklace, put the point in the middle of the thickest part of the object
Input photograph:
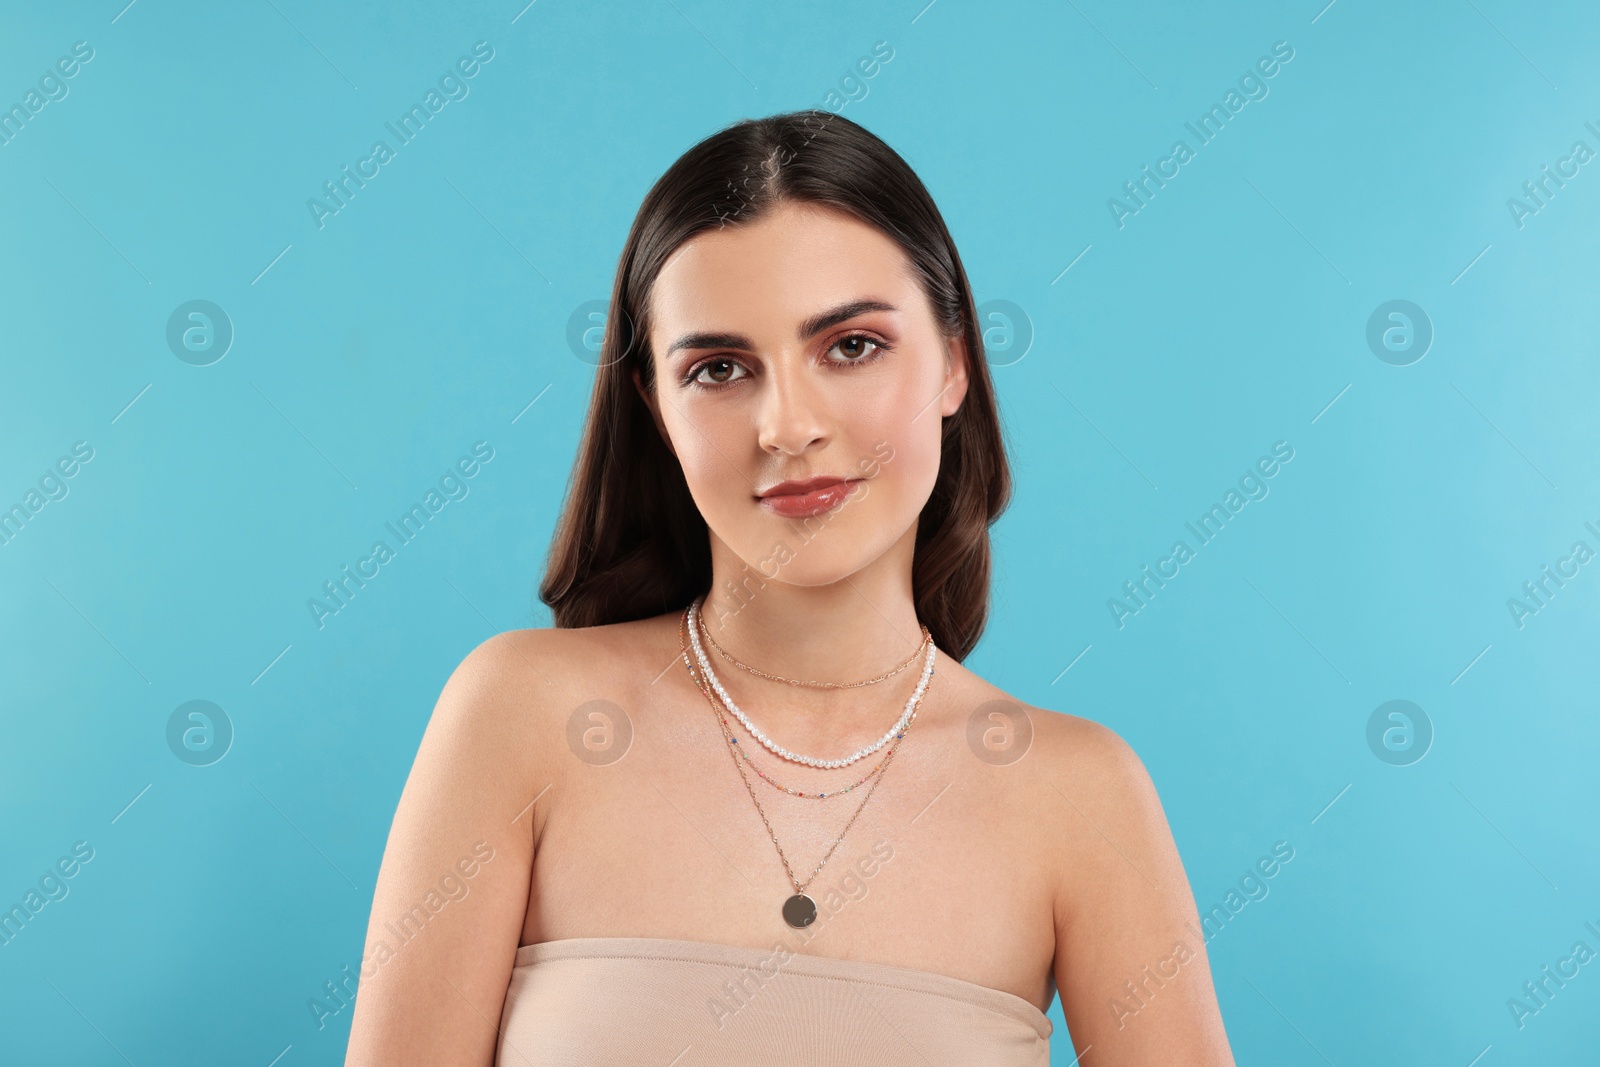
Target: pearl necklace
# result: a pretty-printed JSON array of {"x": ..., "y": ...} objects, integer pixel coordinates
[
  {"x": 777, "y": 749},
  {"x": 727, "y": 730}
]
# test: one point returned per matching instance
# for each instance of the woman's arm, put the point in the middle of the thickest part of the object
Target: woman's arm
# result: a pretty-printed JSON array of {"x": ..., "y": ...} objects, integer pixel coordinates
[
  {"x": 451, "y": 895},
  {"x": 1130, "y": 965}
]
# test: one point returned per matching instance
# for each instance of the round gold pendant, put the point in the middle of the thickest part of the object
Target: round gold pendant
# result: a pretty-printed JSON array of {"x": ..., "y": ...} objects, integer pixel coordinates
[{"x": 799, "y": 911}]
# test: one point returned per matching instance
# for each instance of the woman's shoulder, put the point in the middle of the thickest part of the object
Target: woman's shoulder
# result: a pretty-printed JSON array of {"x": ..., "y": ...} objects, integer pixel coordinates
[
  {"x": 511, "y": 701},
  {"x": 1096, "y": 801},
  {"x": 1085, "y": 748},
  {"x": 522, "y": 679},
  {"x": 1067, "y": 742},
  {"x": 564, "y": 657},
  {"x": 1086, "y": 762}
]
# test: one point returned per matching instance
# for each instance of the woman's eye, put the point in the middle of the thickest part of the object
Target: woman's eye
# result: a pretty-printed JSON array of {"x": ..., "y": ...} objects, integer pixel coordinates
[
  {"x": 856, "y": 348},
  {"x": 718, "y": 371}
]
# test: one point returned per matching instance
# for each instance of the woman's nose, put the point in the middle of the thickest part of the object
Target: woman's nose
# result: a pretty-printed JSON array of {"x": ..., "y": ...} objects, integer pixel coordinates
[{"x": 793, "y": 414}]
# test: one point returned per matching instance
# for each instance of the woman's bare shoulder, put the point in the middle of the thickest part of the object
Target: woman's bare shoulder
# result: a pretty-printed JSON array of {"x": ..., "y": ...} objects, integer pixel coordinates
[
  {"x": 524, "y": 679},
  {"x": 1080, "y": 760},
  {"x": 1121, "y": 896},
  {"x": 1065, "y": 744},
  {"x": 1085, "y": 750},
  {"x": 491, "y": 749},
  {"x": 560, "y": 657}
]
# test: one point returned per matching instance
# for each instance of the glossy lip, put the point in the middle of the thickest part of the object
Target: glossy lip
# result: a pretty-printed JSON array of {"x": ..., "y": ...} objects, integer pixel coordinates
[
  {"x": 811, "y": 496},
  {"x": 805, "y": 485}
]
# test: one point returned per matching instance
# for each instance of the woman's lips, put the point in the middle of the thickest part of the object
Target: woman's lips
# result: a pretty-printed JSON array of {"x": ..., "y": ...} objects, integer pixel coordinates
[{"x": 804, "y": 503}]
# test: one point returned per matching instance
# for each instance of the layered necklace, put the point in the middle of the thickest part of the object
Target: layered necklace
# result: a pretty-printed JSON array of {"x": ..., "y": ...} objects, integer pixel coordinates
[
  {"x": 799, "y": 910},
  {"x": 695, "y": 623}
]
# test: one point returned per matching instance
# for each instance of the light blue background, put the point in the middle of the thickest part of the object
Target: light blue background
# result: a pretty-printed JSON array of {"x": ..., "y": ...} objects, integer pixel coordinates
[{"x": 1228, "y": 314}]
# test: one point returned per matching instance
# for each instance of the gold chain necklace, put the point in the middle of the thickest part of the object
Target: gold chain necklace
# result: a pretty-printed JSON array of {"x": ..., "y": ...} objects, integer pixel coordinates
[
  {"x": 927, "y": 636},
  {"x": 710, "y": 675},
  {"x": 727, "y": 734},
  {"x": 734, "y": 742},
  {"x": 799, "y": 910}
]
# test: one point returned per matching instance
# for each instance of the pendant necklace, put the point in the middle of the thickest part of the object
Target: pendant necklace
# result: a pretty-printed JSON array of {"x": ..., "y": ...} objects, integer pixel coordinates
[{"x": 799, "y": 910}]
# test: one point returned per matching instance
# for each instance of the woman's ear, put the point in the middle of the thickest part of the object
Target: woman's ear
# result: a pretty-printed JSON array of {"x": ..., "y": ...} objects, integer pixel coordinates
[
  {"x": 655, "y": 411},
  {"x": 955, "y": 378}
]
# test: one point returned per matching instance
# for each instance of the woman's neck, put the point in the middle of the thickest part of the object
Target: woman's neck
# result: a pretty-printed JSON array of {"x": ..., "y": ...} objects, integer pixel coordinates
[{"x": 844, "y": 631}]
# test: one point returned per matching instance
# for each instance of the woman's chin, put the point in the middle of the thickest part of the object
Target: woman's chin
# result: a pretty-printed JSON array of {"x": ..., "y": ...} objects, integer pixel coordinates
[{"x": 812, "y": 567}]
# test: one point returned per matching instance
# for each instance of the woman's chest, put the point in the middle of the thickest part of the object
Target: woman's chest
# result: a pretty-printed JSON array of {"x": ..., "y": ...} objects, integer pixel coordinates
[{"x": 936, "y": 865}]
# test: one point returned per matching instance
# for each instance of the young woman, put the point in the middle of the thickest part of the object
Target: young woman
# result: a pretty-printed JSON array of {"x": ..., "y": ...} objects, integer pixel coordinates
[{"x": 744, "y": 804}]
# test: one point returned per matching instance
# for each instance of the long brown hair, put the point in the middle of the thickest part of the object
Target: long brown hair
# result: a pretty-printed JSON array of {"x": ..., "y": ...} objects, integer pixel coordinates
[{"x": 630, "y": 543}]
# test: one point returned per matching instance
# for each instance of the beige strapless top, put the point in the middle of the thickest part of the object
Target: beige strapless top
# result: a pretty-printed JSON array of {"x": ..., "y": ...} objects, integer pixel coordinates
[{"x": 607, "y": 1001}]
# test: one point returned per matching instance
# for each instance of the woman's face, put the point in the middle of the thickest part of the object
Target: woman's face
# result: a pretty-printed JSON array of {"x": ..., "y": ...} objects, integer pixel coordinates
[{"x": 801, "y": 348}]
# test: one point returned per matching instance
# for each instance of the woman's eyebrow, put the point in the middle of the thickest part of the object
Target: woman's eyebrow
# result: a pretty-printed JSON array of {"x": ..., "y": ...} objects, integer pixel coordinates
[
  {"x": 817, "y": 323},
  {"x": 808, "y": 329}
]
